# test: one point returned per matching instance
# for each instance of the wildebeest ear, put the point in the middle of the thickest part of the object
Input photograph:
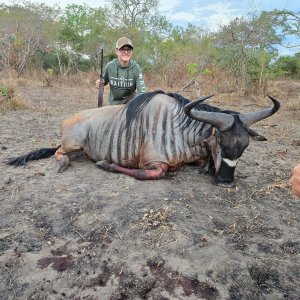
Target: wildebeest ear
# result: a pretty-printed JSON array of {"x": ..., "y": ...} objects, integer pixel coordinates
[{"x": 256, "y": 136}]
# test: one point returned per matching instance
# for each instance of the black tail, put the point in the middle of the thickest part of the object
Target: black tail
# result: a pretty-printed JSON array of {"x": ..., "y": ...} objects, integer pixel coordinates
[{"x": 33, "y": 155}]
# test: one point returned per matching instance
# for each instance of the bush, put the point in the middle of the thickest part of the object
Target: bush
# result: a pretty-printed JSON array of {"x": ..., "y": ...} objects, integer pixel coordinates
[
  {"x": 6, "y": 92},
  {"x": 287, "y": 66},
  {"x": 8, "y": 100}
]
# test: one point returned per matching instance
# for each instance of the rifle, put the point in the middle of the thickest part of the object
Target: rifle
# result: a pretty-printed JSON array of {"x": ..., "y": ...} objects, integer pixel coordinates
[{"x": 101, "y": 85}]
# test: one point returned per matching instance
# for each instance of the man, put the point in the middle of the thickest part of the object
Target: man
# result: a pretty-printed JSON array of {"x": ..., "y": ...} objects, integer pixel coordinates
[
  {"x": 295, "y": 181},
  {"x": 123, "y": 74}
]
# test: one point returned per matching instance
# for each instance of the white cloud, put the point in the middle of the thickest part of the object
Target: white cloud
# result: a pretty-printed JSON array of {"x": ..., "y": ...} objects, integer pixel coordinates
[
  {"x": 182, "y": 16},
  {"x": 168, "y": 5},
  {"x": 216, "y": 20},
  {"x": 214, "y": 15},
  {"x": 209, "y": 16},
  {"x": 219, "y": 7}
]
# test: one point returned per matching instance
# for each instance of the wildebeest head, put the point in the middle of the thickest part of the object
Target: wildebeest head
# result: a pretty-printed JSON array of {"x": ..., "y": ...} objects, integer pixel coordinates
[{"x": 231, "y": 136}]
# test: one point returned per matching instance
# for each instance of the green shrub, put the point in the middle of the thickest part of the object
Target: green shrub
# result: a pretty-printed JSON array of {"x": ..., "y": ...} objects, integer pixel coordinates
[
  {"x": 6, "y": 92},
  {"x": 193, "y": 69}
]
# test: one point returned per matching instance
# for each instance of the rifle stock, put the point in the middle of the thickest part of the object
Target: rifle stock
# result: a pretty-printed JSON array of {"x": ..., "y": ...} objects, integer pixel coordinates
[
  {"x": 101, "y": 85},
  {"x": 100, "y": 94}
]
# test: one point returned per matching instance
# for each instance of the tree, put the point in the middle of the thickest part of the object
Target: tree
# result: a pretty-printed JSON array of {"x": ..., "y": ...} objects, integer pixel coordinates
[
  {"x": 287, "y": 66},
  {"x": 248, "y": 45},
  {"x": 98, "y": 36},
  {"x": 25, "y": 30},
  {"x": 129, "y": 14},
  {"x": 75, "y": 26},
  {"x": 288, "y": 23},
  {"x": 83, "y": 34}
]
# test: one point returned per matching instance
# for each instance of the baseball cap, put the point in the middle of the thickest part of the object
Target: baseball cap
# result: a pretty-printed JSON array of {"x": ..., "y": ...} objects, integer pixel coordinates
[{"x": 123, "y": 41}]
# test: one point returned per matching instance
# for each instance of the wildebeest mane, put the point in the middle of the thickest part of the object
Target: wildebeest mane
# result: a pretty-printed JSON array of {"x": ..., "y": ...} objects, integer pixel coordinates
[{"x": 135, "y": 107}]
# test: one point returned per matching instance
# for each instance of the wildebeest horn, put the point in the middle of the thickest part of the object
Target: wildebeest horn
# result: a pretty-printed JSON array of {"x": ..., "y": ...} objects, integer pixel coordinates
[
  {"x": 220, "y": 120},
  {"x": 250, "y": 118}
]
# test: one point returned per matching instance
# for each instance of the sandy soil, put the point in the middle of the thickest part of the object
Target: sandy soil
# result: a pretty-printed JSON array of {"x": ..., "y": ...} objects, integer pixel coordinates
[{"x": 90, "y": 234}]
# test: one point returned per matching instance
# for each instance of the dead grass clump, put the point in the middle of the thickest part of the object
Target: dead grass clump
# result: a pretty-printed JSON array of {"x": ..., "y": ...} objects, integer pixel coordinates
[
  {"x": 284, "y": 88},
  {"x": 160, "y": 233},
  {"x": 11, "y": 104},
  {"x": 293, "y": 104},
  {"x": 156, "y": 218},
  {"x": 288, "y": 91},
  {"x": 8, "y": 100},
  {"x": 79, "y": 79},
  {"x": 218, "y": 81},
  {"x": 19, "y": 82},
  {"x": 47, "y": 78}
]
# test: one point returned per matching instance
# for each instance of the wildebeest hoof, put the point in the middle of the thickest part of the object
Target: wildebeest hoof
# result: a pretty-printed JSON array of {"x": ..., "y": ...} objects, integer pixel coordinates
[
  {"x": 63, "y": 164},
  {"x": 105, "y": 165}
]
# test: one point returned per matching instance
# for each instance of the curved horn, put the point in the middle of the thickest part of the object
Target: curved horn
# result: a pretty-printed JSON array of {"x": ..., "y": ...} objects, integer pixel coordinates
[
  {"x": 253, "y": 117},
  {"x": 220, "y": 120}
]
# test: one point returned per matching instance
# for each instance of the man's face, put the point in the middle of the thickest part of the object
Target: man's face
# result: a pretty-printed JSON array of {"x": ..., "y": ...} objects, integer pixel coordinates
[{"x": 124, "y": 53}]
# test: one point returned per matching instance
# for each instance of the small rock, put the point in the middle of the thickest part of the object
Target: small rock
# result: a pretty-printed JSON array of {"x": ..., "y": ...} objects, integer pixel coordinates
[{"x": 8, "y": 180}]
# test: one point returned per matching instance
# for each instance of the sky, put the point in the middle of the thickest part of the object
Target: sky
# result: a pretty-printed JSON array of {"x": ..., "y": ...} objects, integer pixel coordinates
[
  {"x": 203, "y": 13},
  {"x": 211, "y": 14}
]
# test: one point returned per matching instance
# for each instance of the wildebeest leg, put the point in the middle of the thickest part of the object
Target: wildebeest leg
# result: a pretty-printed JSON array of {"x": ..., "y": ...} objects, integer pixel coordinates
[
  {"x": 63, "y": 160},
  {"x": 155, "y": 170},
  {"x": 73, "y": 136},
  {"x": 207, "y": 167}
]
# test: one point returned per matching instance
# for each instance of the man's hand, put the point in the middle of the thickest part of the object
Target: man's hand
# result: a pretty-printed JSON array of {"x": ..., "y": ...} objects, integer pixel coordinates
[
  {"x": 98, "y": 83},
  {"x": 295, "y": 181}
]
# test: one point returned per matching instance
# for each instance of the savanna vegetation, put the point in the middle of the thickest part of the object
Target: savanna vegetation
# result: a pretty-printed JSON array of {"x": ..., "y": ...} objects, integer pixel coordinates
[{"x": 240, "y": 57}]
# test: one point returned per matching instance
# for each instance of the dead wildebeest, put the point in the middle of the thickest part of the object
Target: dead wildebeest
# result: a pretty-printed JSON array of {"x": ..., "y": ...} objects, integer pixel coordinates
[{"x": 154, "y": 133}]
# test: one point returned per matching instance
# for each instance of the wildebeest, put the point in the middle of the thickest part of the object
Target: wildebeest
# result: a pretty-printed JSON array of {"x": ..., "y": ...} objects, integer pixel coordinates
[{"x": 154, "y": 133}]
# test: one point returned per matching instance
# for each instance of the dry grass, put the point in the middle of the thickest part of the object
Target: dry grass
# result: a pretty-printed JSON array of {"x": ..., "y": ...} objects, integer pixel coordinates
[
  {"x": 8, "y": 99},
  {"x": 285, "y": 88},
  {"x": 80, "y": 79},
  {"x": 8, "y": 104},
  {"x": 224, "y": 87},
  {"x": 288, "y": 91},
  {"x": 43, "y": 78},
  {"x": 293, "y": 105}
]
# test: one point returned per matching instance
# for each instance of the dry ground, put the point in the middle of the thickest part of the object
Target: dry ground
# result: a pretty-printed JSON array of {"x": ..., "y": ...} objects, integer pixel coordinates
[{"x": 90, "y": 234}]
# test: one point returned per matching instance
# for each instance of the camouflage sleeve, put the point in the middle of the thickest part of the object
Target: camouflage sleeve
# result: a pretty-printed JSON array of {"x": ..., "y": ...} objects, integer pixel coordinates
[{"x": 140, "y": 83}]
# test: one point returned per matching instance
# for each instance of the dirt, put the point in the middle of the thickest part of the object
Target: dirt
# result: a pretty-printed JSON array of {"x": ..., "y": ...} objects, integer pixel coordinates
[{"x": 91, "y": 234}]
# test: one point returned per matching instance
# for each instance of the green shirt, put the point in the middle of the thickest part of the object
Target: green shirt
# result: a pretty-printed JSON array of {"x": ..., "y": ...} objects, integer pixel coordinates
[{"x": 123, "y": 81}]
